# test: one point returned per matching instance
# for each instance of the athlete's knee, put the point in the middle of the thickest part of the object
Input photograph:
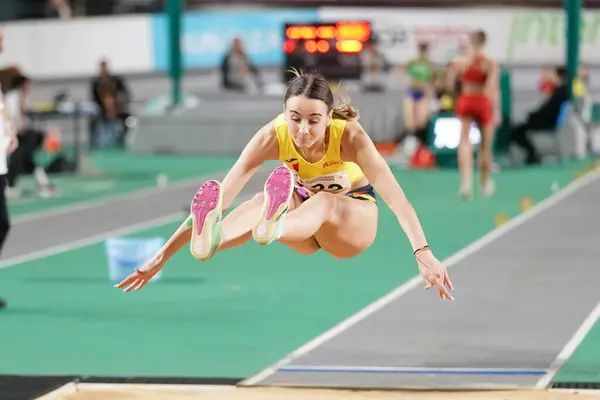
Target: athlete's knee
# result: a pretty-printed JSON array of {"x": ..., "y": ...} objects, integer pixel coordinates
[
  {"x": 328, "y": 203},
  {"x": 326, "y": 199}
]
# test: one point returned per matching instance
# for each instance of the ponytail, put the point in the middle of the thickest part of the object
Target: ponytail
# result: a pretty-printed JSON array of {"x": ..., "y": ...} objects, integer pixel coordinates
[{"x": 345, "y": 111}]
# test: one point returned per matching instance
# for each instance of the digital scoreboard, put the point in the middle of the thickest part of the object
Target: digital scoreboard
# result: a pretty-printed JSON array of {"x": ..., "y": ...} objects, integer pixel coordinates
[{"x": 333, "y": 49}]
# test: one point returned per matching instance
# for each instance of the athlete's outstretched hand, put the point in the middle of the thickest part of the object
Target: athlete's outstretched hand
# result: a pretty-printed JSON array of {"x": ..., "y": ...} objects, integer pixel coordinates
[
  {"x": 141, "y": 276},
  {"x": 434, "y": 273}
]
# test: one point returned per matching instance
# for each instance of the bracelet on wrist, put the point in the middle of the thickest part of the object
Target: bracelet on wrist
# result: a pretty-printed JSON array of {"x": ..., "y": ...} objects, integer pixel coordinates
[{"x": 421, "y": 249}]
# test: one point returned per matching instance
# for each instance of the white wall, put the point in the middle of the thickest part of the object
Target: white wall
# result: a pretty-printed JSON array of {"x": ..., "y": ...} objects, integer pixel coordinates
[
  {"x": 62, "y": 49},
  {"x": 55, "y": 49}
]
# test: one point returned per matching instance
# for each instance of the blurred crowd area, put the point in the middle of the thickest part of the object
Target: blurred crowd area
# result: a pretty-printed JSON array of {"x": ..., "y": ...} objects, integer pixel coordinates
[
  {"x": 112, "y": 101},
  {"x": 36, "y": 9}
]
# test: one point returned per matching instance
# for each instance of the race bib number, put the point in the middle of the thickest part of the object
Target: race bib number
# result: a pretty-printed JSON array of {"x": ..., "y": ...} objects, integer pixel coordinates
[{"x": 333, "y": 183}]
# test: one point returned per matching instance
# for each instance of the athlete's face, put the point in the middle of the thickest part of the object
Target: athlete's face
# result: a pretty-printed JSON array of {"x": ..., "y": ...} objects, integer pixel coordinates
[{"x": 307, "y": 120}]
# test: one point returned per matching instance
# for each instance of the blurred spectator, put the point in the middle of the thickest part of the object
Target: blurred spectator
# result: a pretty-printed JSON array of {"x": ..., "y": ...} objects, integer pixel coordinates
[
  {"x": 8, "y": 142},
  {"x": 542, "y": 119},
  {"x": 581, "y": 83},
  {"x": 422, "y": 74},
  {"x": 548, "y": 81},
  {"x": 374, "y": 67},
  {"x": 237, "y": 71},
  {"x": 7, "y": 77},
  {"x": 112, "y": 97},
  {"x": 30, "y": 140},
  {"x": 584, "y": 74},
  {"x": 59, "y": 9},
  {"x": 585, "y": 99}
]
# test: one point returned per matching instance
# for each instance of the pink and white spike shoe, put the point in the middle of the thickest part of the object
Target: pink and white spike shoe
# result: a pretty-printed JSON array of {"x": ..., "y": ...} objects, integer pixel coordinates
[
  {"x": 207, "y": 213},
  {"x": 278, "y": 194}
]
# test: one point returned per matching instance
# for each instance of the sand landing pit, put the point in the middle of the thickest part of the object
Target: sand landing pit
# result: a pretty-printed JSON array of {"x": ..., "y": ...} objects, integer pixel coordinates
[{"x": 164, "y": 392}]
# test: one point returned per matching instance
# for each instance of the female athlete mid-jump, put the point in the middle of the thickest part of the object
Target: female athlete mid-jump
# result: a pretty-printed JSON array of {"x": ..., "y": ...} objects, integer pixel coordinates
[{"x": 323, "y": 197}]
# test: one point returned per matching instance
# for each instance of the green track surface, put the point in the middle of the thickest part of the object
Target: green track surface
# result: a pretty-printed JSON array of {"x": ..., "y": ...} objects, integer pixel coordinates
[
  {"x": 121, "y": 173},
  {"x": 246, "y": 308},
  {"x": 584, "y": 364}
]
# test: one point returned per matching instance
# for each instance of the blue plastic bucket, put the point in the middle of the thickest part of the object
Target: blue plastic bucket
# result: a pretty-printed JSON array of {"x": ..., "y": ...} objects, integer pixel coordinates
[{"x": 124, "y": 255}]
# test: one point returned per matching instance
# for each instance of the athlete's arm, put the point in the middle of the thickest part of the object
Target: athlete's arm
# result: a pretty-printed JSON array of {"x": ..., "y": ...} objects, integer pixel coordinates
[
  {"x": 402, "y": 68},
  {"x": 435, "y": 72},
  {"x": 262, "y": 147},
  {"x": 358, "y": 147},
  {"x": 454, "y": 69}
]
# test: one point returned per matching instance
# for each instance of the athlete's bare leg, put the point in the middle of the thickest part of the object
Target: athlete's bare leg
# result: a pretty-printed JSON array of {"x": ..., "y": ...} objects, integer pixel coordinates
[
  {"x": 465, "y": 160},
  {"x": 237, "y": 226},
  {"x": 409, "y": 114},
  {"x": 485, "y": 160},
  {"x": 344, "y": 227},
  {"x": 422, "y": 112}
]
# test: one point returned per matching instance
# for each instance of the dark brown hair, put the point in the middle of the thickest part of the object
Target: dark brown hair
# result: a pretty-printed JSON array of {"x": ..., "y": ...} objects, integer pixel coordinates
[
  {"x": 316, "y": 87},
  {"x": 9, "y": 77},
  {"x": 480, "y": 37}
]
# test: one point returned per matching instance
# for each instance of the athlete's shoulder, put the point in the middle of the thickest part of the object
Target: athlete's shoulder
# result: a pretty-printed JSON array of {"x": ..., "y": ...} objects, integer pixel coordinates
[
  {"x": 278, "y": 121},
  {"x": 339, "y": 123},
  {"x": 268, "y": 132},
  {"x": 355, "y": 141},
  {"x": 274, "y": 133},
  {"x": 353, "y": 131},
  {"x": 353, "y": 126},
  {"x": 263, "y": 146},
  {"x": 493, "y": 64}
]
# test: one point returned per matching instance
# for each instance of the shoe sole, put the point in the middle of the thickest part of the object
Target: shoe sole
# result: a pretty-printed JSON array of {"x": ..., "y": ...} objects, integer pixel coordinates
[
  {"x": 278, "y": 191},
  {"x": 206, "y": 220}
]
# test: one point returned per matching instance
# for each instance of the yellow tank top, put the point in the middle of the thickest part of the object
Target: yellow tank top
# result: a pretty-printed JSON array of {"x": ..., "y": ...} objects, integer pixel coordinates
[{"x": 330, "y": 173}]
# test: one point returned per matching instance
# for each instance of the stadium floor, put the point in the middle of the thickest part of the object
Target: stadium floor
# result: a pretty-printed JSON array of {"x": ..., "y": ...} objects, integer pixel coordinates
[{"x": 250, "y": 307}]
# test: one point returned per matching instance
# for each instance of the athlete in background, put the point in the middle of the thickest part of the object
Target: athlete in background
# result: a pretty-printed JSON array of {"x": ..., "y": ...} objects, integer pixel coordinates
[
  {"x": 422, "y": 73},
  {"x": 478, "y": 102},
  {"x": 8, "y": 144}
]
